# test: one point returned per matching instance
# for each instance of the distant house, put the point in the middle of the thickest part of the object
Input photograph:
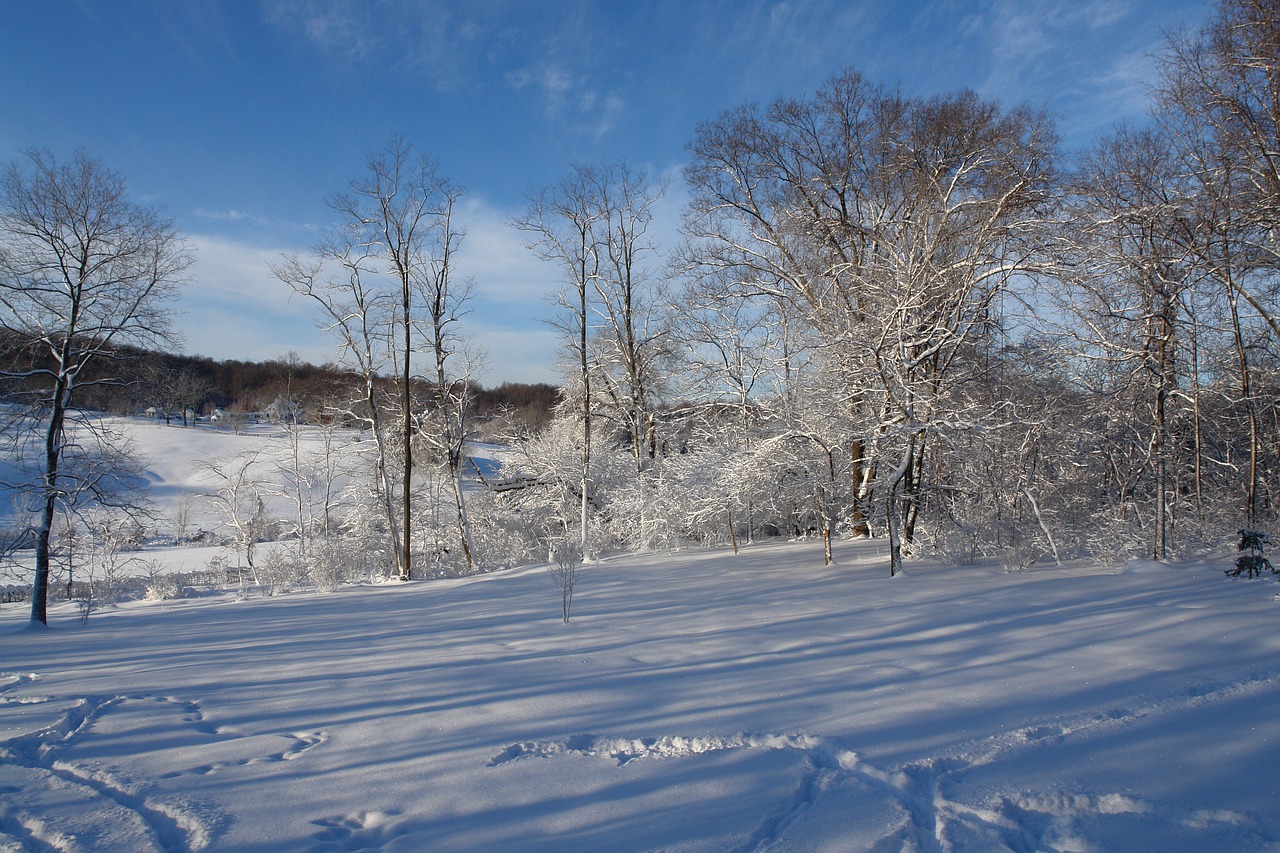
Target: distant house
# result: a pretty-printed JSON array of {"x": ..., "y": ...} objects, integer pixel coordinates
[
  {"x": 283, "y": 411},
  {"x": 216, "y": 416}
]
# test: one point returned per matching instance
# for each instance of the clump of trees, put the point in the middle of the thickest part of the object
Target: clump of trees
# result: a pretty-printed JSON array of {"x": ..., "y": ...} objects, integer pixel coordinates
[{"x": 919, "y": 319}]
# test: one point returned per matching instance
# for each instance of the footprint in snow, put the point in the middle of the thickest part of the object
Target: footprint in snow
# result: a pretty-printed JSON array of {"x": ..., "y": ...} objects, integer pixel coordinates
[
  {"x": 88, "y": 748},
  {"x": 363, "y": 830}
]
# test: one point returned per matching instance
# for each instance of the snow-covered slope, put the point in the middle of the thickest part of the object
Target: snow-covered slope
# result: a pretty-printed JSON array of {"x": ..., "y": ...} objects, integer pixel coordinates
[{"x": 697, "y": 701}]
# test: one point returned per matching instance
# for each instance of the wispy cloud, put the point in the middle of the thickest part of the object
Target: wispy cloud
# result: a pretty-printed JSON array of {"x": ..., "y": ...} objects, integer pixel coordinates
[
  {"x": 552, "y": 57},
  {"x": 570, "y": 99},
  {"x": 341, "y": 27},
  {"x": 785, "y": 47},
  {"x": 448, "y": 44},
  {"x": 1028, "y": 37},
  {"x": 229, "y": 216}
]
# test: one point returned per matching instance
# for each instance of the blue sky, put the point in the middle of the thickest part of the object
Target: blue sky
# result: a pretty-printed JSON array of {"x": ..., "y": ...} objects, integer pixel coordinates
[{"x": 240, "y": 117}]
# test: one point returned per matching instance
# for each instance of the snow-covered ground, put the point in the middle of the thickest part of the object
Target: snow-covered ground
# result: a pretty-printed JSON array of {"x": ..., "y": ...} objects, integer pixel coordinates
[{"x": 698, "y": 701}]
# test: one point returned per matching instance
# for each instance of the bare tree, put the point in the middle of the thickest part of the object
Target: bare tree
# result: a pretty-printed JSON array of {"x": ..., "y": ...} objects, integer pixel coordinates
[
  {"x": 1219, "y": 100},
  {"x": 1128, "y": 274},
  {"x": 444, "y": 302},
  {"x": 237, "y": 493},
  {"x": 565, "y": 566},
  {"x": 1222, "y": 84},
  {"x": 82, "y": 270},
  {"x": 176, "y": 392},
  {"x": 631, "y": 336},
  {"x": 393, "y": 228},
  {"x": 564, "y": 221},
  {"x": 727, "y": 342}
]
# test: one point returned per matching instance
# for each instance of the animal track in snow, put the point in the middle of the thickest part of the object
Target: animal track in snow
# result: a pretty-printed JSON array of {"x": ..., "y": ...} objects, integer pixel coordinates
[{"x": 9, "y": 680}]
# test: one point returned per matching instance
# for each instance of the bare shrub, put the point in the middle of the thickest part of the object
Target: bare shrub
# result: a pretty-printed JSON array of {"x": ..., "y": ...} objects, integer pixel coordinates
[{"x": 565, "y": 566}]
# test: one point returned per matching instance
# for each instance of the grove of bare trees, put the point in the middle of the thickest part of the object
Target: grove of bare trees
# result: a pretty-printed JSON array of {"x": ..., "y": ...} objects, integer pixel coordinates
[
  {"x": 911, "y": 318},
  {"x": 918, "y": 318}
]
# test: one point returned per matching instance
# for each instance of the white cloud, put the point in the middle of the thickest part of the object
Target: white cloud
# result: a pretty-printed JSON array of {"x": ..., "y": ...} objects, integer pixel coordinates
[
  {"x": 235, "y": 308},
  {"x": 341, "y": 27},
  {"x": 495, "y": 255},
  {"x": 516, "y": 355}
]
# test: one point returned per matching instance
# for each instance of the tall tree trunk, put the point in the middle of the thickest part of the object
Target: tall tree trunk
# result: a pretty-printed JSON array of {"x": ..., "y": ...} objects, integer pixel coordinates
[
  {"x": 585, "y": 540},
  {"x": 1246, "y": 395},
  {"x": 858, "y": 525},
  {"x": 892, "y": 511},
  {"x": 911, "y": 497},
  {"x": 459, "y": 502},
  {"x": 406, "y": 400},
  {"x": 384, "y": 484},
  {"x": 52, "y": 456}
]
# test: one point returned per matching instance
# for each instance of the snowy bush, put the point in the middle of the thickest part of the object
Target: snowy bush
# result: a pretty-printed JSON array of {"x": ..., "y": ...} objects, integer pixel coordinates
[
  {"x": 221, "y": 572},
  {"x": 500, "y": 537},
  {"x": 327, "y": 564},
  {"x": 160, "y": 586}
]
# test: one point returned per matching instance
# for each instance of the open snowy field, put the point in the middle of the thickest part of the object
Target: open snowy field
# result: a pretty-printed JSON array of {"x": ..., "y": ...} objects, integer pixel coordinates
[{"x": 697, "y": 701}]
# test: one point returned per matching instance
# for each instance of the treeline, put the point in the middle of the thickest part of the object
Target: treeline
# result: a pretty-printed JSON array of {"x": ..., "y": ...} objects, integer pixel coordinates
[{"x": 128, "y": 380}]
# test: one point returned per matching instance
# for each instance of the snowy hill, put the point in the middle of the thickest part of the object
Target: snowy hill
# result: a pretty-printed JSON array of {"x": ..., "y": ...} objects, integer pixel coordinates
[{"x": 697, "y": 701}]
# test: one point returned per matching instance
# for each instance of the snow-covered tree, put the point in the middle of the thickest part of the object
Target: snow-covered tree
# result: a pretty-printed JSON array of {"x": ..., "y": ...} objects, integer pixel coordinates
[
  {"x": 888, "y": 225},
  {"x": 238, "y": 491}
]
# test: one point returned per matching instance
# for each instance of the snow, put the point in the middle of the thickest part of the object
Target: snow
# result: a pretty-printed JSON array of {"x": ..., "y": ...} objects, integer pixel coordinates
[{"x": 697, "y": 701}]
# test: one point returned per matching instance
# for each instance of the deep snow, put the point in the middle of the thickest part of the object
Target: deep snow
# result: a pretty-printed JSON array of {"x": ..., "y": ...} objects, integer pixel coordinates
[{"x": 698, "y": 701}]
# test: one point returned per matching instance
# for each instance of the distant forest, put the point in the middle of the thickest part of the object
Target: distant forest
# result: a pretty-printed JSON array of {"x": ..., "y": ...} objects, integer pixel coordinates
[{"x": 175, "y": 385}]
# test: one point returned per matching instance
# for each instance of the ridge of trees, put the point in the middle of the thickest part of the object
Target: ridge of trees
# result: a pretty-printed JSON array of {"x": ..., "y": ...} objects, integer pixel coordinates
[{"x": 202, "y": 384}]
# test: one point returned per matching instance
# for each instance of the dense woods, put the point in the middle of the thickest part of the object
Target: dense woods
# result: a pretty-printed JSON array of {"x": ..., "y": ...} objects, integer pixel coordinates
[{"x": 920, "y": 319}]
